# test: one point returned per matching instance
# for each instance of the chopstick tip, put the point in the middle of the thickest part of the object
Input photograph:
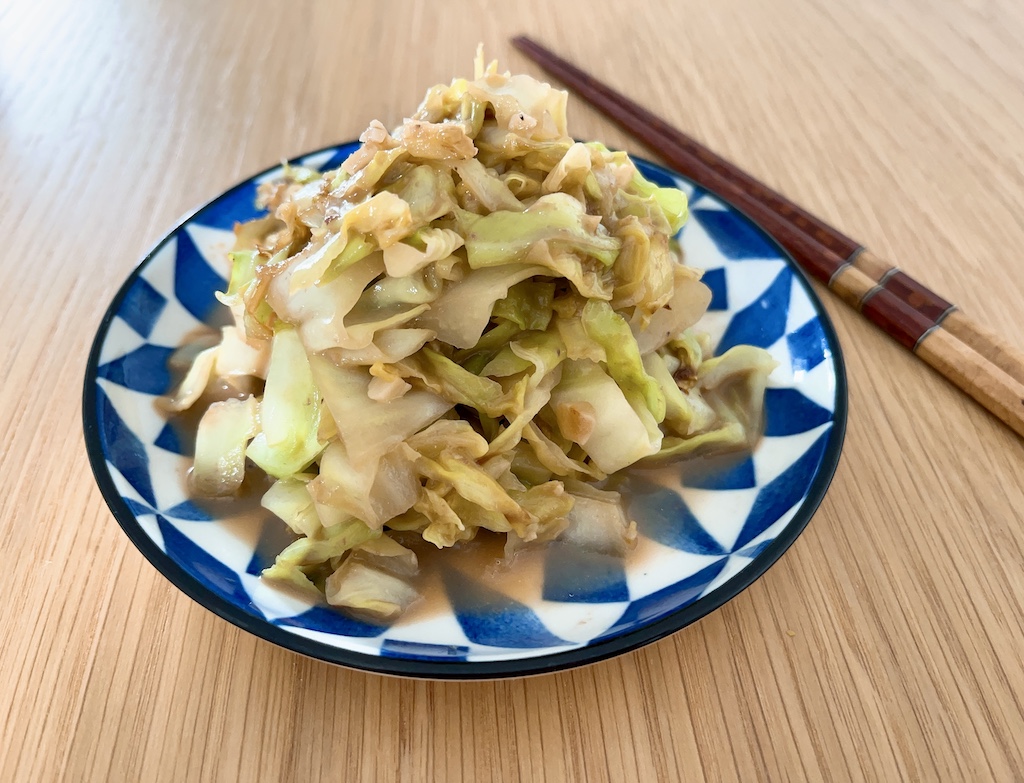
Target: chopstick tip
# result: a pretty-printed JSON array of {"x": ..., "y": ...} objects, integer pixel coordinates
[{"x": 523, "y": 42}]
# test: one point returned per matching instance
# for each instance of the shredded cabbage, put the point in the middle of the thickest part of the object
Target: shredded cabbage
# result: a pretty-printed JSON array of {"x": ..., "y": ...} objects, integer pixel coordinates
[{"x": 469, "y": 325}]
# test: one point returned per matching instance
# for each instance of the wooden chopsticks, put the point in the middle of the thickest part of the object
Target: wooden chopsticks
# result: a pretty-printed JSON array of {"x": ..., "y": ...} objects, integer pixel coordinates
[{"x": 973, "y": 358}]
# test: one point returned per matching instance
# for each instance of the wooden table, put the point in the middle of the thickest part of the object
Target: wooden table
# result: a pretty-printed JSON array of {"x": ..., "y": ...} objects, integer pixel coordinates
[{"x": 888, "y": 644}]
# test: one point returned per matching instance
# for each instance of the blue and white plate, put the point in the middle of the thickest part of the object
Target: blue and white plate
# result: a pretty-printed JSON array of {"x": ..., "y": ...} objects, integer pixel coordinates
[{"x": 702, "y": 540}]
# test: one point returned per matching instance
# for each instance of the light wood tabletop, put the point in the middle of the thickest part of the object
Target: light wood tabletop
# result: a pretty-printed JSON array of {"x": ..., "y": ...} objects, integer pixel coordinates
[{"x": 887, "y": 644}]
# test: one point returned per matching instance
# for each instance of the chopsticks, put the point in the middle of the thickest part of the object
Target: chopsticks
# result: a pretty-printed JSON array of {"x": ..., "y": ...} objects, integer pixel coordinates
[{"x": 976, "y": 360}]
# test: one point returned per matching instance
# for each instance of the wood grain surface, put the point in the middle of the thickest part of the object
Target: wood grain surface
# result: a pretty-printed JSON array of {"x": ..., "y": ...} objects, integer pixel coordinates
[{"x": 888, "y": 644}]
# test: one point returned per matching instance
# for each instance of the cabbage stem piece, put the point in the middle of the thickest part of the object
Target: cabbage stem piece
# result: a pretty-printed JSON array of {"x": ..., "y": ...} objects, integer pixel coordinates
[{"x": 219, "y": 465}]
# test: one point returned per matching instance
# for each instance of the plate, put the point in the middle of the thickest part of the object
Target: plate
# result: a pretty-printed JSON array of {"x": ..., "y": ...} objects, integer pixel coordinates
[{"x": 704, "y": 536}]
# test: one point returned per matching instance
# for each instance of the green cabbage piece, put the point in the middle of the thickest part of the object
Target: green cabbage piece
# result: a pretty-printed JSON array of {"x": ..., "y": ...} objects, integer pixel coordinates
[
  {"x": 490, "y": 343},
  {"x": 486, "y": 187},
  {"x": 423, "y": 248},
  {"x": 334, "y": 542},
  {"x": 289, "y": 411},
  {"x": 459, "y": 386},
  {"x": 194, "y": 383},
  {"x": 289, "y": 500},
  {"x": 505, "y": 363},
  {"x": 527, "y": 304},
  {"x": 237, "y": 358},
  {"x": 384, "y": 216},
  {"x": 476, "y": 517},
  {"x": 528, "y": 468},
  {"x": 369, "y": 592},
  {"x": 507, "y": 237},
  {"x": 430, "y": 193},
  {"x": 371, "y": 490},
  {"x": 734, "y": 383},
  {"x": 610, "y": 330},
  {"x": 367, "y": 427},
  {"x": 455, "y": 436},
  {"x": 320, "y": 311},
  {"x": 474, "y": 484},
  {"x": 356, "y": 249},
  {"x": 644, "y": 271},
  {"x": 243, "y": 270},
  {"x": 599, "y": 524},
  {"x": 460, "y": 315},
  {"x": 690, "y": 300},
  {"x": 388, "y": 346},
  {"x": 671, "y": 201},
  {"x": 520, "y": 96},
  {"x": 679, "y": 413},
  {"x": 729, "y": 437},
  {"x": 554, "y": 459},
  {"x": 544, "y": 350},
  {"x": 363, "y": 182},
  {"x": 548, "y": 502},
  {"x": 593, "y": 411},
  {"x": 293, "y": 576},
  {"x": 218, "y": 468},
  {"x": 444, "y": 528},
  {"x": 578, "y": 344},
  {"x": 571, "y": 171},
  {"x": 307, "y": 555}
]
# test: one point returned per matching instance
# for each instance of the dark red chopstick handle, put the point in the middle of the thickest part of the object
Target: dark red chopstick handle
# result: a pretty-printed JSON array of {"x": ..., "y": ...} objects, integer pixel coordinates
[{"x": 925, "y": 301}]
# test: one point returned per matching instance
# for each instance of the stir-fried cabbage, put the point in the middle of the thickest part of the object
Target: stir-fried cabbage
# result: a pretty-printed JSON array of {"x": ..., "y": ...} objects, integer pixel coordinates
[{"x": 470, "y": 325}]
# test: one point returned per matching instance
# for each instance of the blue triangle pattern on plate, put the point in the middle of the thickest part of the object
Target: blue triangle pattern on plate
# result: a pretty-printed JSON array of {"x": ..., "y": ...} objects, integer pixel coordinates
[
  {"x": 258, "y": 563},
  {"x": 576, "y": 576},
  {"x": 715, "y": 280},
  {"x": 754, "y": 550},
  {"x": 143, "y": 370},
  {"x": 788, "y": 412},
  {"x": 763, "y": 321},
  {"x": 123, "y": 449},
  {"x": 782, "y": 493},
  {"x": 735, "y": 238},
  {"x": 141, "y": 307},
  {"x": 189, "y": 511},
  {"x": 236, "y": 206},
  {"x": 808, "y": 345},
  {"x": 138, "y": 509},
  {"x": 666, "y": 600},
  {"x": 169, "y": 440},
  {"x": 663, "y": 516},
  {"x": 738, "y": 476},
  {"x": 330, "y": 620},
  {"x": 213, "y": 574},
  {"x": 397, "y": 648},
  {"x": 195, "y": 281},
  {"x": 492, "y": 618}
]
